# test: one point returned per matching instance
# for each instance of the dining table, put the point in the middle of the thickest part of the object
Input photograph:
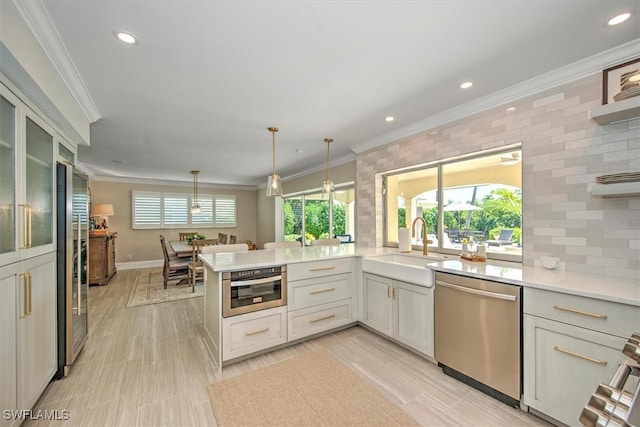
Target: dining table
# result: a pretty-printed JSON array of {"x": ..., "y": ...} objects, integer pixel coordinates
[{"x": 181, "y": 248}]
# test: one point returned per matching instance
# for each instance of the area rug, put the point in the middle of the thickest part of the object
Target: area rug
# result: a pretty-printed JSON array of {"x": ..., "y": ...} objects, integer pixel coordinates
[
  {"x": 149, "y": 289},
  {"x": 311, "y": 389}
]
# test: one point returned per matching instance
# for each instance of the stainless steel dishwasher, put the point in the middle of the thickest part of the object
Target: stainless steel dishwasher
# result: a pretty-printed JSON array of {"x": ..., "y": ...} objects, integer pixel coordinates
[{"x": 478, "y": 334}]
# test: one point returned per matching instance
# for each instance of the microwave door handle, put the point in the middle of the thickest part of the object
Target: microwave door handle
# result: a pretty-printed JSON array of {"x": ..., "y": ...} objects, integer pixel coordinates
[{"x": 255, "y": 281}]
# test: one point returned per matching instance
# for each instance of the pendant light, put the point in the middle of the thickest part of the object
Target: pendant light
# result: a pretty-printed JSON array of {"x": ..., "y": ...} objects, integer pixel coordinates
[
  {"x": 274, "y": 183},
  {"x": 195, "y": 206},
  {"x": 327, "y": 186}
]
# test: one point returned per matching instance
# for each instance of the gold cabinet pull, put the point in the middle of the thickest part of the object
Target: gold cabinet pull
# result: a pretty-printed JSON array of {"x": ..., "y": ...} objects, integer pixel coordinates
[
  {"x": 584, "y": 313},
  {"x": 259, "y": 331},
  {"x": 30, "y": 282},
  {"x": 322, "y": 268},
  {"x": 319, "y": 291},
  {"x": 29, "y": 210},
  {"x": 25, "y": 294},
  {"x": 580, "y": 356},
  {"x": 328, "y": 316},
  {"x": 393, "y": 293},
  {"x": 26, "y": 226},
  {"x": 388, "y": 291}
]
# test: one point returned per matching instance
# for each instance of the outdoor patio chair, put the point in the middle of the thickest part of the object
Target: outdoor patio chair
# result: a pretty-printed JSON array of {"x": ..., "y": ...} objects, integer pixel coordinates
[{"x": 504, "y": 239}]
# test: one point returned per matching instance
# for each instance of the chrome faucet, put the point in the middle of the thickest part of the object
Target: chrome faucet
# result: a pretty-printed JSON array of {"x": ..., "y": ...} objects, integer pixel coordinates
[{"x": 425, "y": 241}]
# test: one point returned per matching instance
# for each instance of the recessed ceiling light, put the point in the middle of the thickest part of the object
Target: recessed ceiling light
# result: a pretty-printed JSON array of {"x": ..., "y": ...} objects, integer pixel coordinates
[
  {"x": 511, "y": 109},
  {"x": 466, "y": 85},
  {"x": 125, "y": 37},
  {"x": 619, "y": 19},
  {"x": 389, "y": 119}
]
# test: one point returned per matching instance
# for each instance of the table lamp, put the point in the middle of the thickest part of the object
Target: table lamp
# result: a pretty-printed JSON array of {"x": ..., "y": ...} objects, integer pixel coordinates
[{"x": 103, "y": 211}]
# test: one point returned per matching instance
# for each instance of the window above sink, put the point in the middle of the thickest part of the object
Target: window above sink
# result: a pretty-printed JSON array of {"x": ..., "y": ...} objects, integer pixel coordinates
[{"x": 481, "y": 203}]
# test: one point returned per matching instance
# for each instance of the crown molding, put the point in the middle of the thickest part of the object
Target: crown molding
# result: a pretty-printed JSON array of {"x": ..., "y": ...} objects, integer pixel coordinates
[
  {"x": 564, "y": 75},
  {"x": 37, "y": 19},
  {"x": 143, "y": 181}
]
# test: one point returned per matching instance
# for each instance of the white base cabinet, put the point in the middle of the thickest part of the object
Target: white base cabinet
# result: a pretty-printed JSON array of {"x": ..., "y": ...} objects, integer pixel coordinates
[
  {"x": 400, "y": 310},
  {"x": 571, "y": 344},
  {"x": 319, "y": 296},
  {"x": 28, "y": 338},
  {"x": 252, "y": 332}
]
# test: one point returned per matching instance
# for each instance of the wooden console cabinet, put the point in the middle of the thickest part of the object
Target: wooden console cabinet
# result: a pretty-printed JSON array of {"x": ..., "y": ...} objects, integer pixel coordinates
[{"x": 102, "y": 258}]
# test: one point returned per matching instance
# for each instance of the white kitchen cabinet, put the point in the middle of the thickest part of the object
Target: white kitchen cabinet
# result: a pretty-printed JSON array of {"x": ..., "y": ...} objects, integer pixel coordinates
[
  {"x": 252, "y": 332},
  {"x": 8, "y": 339},
  {"x": 26, "y": 182},
  {"x": 377, "y": 303},
  {"x": 401, "y": 310},
  {"x": 571, "y": 344},
  {"x": 28, "y": 337},
  {"x": 319, "y": 296},
  {"x": 316, "y": 319}
]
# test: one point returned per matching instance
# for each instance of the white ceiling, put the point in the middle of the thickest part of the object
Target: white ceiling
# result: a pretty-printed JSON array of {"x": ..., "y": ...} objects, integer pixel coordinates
[{"x": 208, "y": 77}]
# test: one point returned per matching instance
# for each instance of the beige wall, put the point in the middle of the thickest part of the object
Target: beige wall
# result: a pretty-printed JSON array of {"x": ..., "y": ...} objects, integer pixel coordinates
[
  {"x": 265, "y": 217},
  {"x": 144, "y": 245},
  {"x": 339, "y": 174}
]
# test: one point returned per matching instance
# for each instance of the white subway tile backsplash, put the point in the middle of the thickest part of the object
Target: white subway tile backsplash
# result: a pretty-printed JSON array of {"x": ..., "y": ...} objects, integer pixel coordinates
[
  {"x": 541, "y": 231},
  {"x": 557, "y": 97},
  {"x": 591, "y": 214},
  {"x": 563, "y": 153},
  {"x": 569, "y": 241}
]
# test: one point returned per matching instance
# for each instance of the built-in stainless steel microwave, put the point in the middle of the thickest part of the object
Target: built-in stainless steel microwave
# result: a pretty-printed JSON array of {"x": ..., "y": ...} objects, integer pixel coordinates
[{"x": 252, "y": 290}]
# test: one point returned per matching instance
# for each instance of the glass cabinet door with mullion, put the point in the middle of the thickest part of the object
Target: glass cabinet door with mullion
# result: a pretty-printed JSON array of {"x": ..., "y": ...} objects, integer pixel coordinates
[
  {"x": 38, "y": 208},
  {"x": 8, "y": 150}
]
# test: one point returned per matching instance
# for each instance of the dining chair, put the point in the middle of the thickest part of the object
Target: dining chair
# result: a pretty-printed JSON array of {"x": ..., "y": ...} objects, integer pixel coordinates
[
  {"x": 195, "y": 267},
  {"x": 325, "y": 242},
  {"x": 222, "y": 239},
  {"x": 283, "y": 245},
  {"x": 232, "y": 239},
  {"x": 174, "y": 268},
  {"x": 185, "y": 236}
]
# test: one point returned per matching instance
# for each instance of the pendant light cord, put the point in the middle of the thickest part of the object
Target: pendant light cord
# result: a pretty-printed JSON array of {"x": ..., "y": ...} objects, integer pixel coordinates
[
  {"x": 195, "y": 186},
  {"x": 328, "y": 141},
  {"x": 273, "y": 131}
]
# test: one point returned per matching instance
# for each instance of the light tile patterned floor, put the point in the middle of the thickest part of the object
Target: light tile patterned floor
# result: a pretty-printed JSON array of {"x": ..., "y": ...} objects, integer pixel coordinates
[{"x": 148, "y": 366}]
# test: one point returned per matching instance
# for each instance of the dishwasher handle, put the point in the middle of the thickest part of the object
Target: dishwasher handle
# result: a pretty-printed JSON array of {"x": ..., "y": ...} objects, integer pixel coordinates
[{"x": 477, "y": 291}]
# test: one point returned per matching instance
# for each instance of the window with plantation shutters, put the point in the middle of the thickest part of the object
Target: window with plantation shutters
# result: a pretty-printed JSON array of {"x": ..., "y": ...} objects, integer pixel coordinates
[
  {"x": 225, "y": 211},
  {"x": 173, "y": 210}
]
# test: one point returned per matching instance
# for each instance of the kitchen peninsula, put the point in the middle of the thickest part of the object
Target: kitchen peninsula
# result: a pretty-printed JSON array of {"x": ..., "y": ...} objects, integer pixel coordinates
[{"x": 325, "y": 289}]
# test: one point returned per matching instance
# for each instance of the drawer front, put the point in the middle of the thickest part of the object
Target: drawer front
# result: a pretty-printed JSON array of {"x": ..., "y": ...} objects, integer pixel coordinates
[
  {"x": 604, "y": 316},
  {"x": 309, "y": 292},
  {"x": 252, "y": 332},
  {"x": 317, "y": 319},
  {"x": 307, "y": 270}
]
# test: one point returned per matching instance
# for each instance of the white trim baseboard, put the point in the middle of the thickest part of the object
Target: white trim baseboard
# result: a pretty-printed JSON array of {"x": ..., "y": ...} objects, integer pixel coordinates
[{"x": 132, "y": 265}]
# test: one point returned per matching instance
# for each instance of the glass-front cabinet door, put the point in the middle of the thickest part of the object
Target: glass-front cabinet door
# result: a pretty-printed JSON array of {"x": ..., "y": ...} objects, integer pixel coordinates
[
  {"x": 8, "y": 142},
  {"x": 38, "y": 205},
  {"x": 26, "y": 181}
]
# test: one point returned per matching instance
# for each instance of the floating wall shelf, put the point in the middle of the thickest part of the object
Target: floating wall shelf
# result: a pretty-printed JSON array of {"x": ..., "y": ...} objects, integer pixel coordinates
[
  {"x": 616, "y": 111},
  {"x": 622, "y": 189}
]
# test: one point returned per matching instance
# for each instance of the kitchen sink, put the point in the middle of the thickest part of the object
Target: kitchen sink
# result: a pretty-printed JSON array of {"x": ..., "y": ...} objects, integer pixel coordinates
[{"x": 404, "y": 267}]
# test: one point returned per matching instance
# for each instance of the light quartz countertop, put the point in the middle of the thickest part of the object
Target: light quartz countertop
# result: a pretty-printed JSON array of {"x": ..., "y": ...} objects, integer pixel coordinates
[{"x": 613, "y": 289}]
